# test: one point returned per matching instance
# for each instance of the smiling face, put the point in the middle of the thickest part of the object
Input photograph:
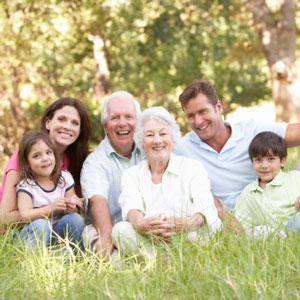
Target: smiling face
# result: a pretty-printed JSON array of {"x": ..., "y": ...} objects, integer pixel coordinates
[
  {"x": 120, "y": 125},
  {"x": 157, "y": 140},
  {"x": 203, "y": 117},
  {"x": 41, "y": 160},
  {"x": 64, "y": 127},
  {"x": 267, "y": 168}
]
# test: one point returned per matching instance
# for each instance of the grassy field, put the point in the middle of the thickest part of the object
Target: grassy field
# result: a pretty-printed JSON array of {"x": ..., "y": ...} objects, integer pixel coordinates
[{"x": 229, "y": 267}]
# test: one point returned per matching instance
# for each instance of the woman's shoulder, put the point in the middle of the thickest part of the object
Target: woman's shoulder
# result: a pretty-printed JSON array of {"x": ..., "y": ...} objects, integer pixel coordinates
[{"x": 13, "y": 162}]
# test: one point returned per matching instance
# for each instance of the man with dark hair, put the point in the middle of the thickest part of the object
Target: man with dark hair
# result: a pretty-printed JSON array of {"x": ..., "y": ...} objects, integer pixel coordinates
[{"x": 223, "y": 147}]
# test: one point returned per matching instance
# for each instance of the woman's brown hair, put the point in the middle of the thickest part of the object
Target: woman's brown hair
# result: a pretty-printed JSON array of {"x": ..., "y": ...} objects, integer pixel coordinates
[{"x": 79, "y": 150}]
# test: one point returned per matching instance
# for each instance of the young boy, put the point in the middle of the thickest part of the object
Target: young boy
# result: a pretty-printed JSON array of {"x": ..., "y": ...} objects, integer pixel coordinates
[{"x": 273, "y": 200}]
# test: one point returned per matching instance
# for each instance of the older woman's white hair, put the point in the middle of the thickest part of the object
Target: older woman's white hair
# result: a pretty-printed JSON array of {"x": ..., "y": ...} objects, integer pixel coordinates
[
  {"x": 160, "y": 114},
  {"x": 115, "y": 95}
]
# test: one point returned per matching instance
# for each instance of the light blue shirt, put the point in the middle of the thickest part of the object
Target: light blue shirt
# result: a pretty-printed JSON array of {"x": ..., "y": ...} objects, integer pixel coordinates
[
  {"x": 101, "y": 175},
  {"x": 230, "y": 170}
]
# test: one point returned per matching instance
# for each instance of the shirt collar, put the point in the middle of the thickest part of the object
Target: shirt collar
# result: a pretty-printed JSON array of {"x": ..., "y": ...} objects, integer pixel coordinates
[
  {"x": 236, "y": 134},
  {"x": 109, "y": 150},
  {"x": 277, "y": 180},
  {"x": 173, "y": 167}
]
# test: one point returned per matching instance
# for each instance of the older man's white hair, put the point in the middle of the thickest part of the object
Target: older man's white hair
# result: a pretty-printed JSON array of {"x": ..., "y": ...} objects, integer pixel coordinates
[
  {"x": 160, "y": 114},
  {"x": 115, "y": 95}
]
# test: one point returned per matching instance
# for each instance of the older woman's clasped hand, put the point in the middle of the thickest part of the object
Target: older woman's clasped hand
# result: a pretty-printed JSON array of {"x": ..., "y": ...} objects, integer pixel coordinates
[
  {"x": 165, "y": 227},
  {"x": 165, "y": 194}
]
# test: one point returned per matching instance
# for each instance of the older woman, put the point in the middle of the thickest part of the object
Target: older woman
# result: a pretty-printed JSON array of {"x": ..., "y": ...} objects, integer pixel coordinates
[
  {"x": 165, "y": 194},
  {"x": 68, "y": 125}
]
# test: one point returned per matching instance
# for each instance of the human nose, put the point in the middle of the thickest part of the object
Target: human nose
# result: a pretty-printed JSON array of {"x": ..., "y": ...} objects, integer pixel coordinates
[
  {"x": 157, "y": 139},
  {"x": 264, "y": 164},
  {"x": 122, "y": 121},
  {"x": 44, "y": 157},
  {"x": 198, "y": 119},
  {"x": 67, "y": 125}
]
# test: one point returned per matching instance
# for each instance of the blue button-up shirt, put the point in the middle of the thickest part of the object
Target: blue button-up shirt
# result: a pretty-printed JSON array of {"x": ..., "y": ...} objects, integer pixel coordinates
[{"x": 101, "y": 175}]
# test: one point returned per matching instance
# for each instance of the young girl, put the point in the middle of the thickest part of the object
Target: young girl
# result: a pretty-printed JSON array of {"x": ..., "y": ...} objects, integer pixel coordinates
[{"x": 46, "y": 196}]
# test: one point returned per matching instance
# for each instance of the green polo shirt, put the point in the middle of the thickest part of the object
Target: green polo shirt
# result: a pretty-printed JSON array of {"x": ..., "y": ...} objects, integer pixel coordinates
[{"x": 273, "y": 206}]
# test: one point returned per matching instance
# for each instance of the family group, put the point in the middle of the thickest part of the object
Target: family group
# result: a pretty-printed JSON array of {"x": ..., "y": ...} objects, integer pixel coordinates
[{"x": 145, "y": 183}]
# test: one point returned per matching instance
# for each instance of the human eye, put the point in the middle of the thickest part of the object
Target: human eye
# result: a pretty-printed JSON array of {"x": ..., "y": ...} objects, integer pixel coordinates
[
  {"x": 271, "y": 158},
  {"x": 61, "y": 118},
  {"x": 75, "y": 122},
  {"x": 129, "y": 117},
  {"x": 190, "y": 116},
  {"x": 114, "y": 118},
  {"x": 49, "y": 152},
  {"x": 149, "y": 134},
  {"x": 35, "y": 155},
  {"x": 256, "y": 159}
]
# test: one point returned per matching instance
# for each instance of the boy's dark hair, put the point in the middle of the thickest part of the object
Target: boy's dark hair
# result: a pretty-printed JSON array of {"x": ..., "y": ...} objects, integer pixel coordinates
[
  {"x": 266, "y": 144},
  {"x": 199, "y": 87}
]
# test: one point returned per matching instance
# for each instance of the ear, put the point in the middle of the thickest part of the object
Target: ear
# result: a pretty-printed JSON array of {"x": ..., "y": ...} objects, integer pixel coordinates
[
  {"x": 219, "y": 106},
  {"x": 104, "y": 126},
  {"x": 47, "y": 124},
  {"x": 282, "y": 162}
]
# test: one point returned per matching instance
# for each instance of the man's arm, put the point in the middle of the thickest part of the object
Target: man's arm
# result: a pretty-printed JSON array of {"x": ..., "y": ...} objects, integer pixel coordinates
[
  {"x": 102, "y": 222},
  {"x": 231, "y": 223},
  {"x": 292, "y": 135}
]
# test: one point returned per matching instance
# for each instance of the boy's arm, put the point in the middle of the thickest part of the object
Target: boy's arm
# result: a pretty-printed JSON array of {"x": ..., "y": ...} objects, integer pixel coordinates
[
  {"x": 29, "y": 213},
  {"x": 297, "y": 204},
  {"x": 229, "y": 220}
]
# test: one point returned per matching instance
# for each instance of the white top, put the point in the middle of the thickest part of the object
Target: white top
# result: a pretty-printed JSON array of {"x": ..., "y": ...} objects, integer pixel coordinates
[
  {"x": 185, "y": 190},
  {"x": 42, "y": 197}
]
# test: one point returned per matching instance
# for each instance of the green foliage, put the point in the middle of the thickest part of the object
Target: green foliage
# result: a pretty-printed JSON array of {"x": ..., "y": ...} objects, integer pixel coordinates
[{"x": 153, "y": 49}]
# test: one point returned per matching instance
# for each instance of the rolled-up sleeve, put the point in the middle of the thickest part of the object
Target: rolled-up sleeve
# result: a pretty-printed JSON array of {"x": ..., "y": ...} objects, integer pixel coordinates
[{"x": 93, "y": 179}]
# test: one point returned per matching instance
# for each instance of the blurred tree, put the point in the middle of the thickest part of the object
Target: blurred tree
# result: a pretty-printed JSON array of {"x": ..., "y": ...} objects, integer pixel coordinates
[
  {"x": 151, "y": 48},
  {"x": 275, "y": 23}
]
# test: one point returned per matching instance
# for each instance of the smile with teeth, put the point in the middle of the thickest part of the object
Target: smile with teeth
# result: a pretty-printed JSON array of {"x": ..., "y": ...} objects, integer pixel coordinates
[
  {"x": 204, "y": 127},
  {"x": 65, "y": 134},
  {"x": 158, "y": 148},
  {"x": 123, "y": 132}
]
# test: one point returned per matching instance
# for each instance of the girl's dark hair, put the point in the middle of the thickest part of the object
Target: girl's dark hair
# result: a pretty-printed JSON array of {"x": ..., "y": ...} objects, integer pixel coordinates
[
  {"x": 26, "y": 143},
  {"x": 79, "y": 150},
  {"x": 266, "y": 144}
]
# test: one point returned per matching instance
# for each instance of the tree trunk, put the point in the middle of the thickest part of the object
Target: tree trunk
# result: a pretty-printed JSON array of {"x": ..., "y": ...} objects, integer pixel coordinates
[
  {"x": 102, "y": 73},
  {"x": 277, "y": 34}
]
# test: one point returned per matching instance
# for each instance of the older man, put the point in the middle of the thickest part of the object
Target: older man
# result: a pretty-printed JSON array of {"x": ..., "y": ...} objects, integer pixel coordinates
[
  {"x": 223, "y": 147},
  {"x": 102, "y": 170}
]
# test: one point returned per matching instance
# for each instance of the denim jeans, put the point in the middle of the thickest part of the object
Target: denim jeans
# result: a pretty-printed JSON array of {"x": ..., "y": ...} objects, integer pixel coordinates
[
  {"x": 41, "y": 232},
  {"x": 293, "y": 224}
]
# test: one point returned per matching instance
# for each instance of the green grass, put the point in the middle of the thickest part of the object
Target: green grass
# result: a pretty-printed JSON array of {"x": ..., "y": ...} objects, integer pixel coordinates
[{"x": 230, "y": 267}]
